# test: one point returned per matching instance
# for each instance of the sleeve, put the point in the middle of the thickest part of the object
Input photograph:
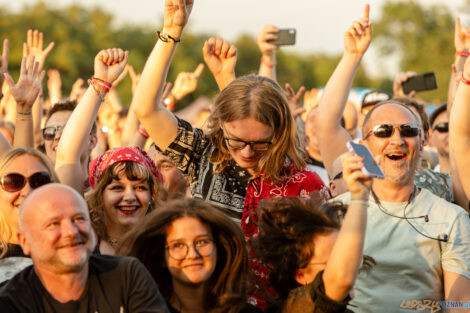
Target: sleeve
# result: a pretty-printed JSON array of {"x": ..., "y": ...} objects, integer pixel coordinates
[
  {"x": 456, "y": 251},
  {"x": 187, "y": 148},
  {"x": 321, "y": 300},
  {"x": 144, "y": 295}
]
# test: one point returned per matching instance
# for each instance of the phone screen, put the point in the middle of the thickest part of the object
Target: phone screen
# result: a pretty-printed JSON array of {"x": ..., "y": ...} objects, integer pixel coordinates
[{"x": 370, "y": 166}]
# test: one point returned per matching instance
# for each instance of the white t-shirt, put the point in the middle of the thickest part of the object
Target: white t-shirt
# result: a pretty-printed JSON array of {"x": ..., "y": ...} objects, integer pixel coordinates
[{"x": 409, "y": 265}]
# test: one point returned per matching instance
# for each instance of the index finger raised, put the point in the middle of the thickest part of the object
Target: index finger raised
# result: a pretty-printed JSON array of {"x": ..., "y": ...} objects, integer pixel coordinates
[
  {"x": 199, "y": 70},
  {"x": 365, "y": 15}
]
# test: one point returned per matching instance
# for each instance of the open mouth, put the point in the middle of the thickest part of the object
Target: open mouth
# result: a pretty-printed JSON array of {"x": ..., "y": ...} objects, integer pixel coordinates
[
  {"x": 128, "y": 210},
  {"x": 396, "y": 156}
]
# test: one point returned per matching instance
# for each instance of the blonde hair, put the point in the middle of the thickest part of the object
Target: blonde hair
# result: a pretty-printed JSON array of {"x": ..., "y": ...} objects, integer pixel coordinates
[
  {"x": 262, "y": 99},
  {"x": 6, "y": 158}
]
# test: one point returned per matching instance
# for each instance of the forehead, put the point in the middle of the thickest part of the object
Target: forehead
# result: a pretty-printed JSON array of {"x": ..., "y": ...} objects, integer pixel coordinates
[
  {"x": 392, "y": 113},
  {"x": 61, "y": 205},
  {"x": 59, "y": 118},
  {"x": 187, "y": 227},
  {"x": 26, "y": 165},
  {"x": 248, "y": 129}
]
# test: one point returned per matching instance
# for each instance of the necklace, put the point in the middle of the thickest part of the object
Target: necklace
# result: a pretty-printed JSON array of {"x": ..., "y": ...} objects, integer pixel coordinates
[{"x": 113, "y": 242}]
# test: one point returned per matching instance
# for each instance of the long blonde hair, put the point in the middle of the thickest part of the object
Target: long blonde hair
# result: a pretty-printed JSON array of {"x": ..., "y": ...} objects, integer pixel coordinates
[
  {"x": 262, "y": 99},
  {"x": 6, "y": 230}
]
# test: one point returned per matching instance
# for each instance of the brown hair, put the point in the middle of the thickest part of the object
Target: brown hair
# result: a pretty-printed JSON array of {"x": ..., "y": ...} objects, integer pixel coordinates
[
  {"x": 227, "y": 285},
  {"x": 68, "y": 105},
  {"x": 262, "y": 99},
  {"x": 134, "y": 171},
  {"x": 423, "y": 115},
  {"x": 5, "y": 159}
]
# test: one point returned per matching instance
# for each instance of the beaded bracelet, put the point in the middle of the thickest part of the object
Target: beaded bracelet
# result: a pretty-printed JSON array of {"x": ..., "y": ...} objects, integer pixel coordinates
[
  {"x": 463, "y": 54},
  {"x": 100, "y": 86}
]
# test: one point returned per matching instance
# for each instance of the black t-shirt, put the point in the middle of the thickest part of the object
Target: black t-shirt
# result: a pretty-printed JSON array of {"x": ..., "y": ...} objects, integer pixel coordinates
[{"x": 115, "y": 284}]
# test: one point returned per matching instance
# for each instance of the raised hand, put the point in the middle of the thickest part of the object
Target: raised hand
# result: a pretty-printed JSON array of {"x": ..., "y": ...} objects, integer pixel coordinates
[
  {"x": 186, "y": 82},
  {"x": 77, "y": 90},
  {"x": 28, "y": 86},
  {"x": 397, "y": 85},
  {"x": 54, "y": 85},
  {"x": 221, "y": 58},
  {"x": 294, "y": 100},
  {"x": 461, "y": 36},
  {"x": 358, "y": 183},
  {"x": 34, "y": 47},
  {"x": 4, "y": 62},
  {"x": 357, "y": 38},
  {"x": 122, "y": 76},
  {"x": 110, "y": 63},
  {"x": 135, "y": 78},
  {"x": 269, "y": 32},
  {"x": 175, "y": 16}
]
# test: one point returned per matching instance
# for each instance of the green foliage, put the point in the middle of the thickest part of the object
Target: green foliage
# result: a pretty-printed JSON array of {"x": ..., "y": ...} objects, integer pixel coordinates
[
  {"x": 79, "y": 33},
  {"x": 423, "y": 37}
]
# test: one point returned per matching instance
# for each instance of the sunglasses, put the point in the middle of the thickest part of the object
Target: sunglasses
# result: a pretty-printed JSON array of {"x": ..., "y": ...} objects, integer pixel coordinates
[
  {"x": 442, "y": 127},
  {"x": 14, "y": 182},
  {"x": 48, "y": 133},
  {"x": 387, "y": 130}
]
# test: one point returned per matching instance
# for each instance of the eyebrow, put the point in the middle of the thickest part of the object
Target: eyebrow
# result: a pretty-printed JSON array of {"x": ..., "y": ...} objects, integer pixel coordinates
[
  {"x": 238, "y": 138},
  {"x": 195, "y": 238}
]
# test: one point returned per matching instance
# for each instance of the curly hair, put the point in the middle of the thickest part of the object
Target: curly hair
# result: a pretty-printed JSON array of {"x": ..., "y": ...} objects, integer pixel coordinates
[
  {"x": 227, "y": 285},
  {"x": 6, "y": 230},
  {"x": 262, "y": 99},
  {"x": 133, "y": 171}
]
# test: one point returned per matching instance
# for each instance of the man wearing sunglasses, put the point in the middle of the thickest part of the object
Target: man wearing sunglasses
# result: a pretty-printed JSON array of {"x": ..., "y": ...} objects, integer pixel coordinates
[
  {"x": 55, "y": 230},
  {"x": 440, "y": 137}
]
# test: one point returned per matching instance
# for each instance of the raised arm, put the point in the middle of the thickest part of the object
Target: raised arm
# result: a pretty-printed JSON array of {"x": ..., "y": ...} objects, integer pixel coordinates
[
  {"x": 160, "y": 123},
  {"x": 108, "y": 66},
  {"x": 267, "y": 66},
  {"x": 333, "y": 101},
  {"x": 221, "y": 58},
  {"x": 4, "y": 63},
  {"x": 459, "y": 129},
  {"x": 346, "y": 256},
  {"x": 25, "y": 93}
]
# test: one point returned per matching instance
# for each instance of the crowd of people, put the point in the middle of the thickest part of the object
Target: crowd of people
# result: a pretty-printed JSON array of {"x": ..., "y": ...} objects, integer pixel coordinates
[{"x": 254, "y": 204}]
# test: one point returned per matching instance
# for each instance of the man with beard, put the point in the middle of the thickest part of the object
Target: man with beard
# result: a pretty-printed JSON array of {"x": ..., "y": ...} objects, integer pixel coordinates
[
  {"x": 55, "y": 230},
  {"x": 420, "y": 242}
]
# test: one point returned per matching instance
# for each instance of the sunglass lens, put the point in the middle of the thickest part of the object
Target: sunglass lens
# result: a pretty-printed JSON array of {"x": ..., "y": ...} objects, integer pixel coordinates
[
  {"x": 409, "y": 130},
  {"x": 39, "y": 179},
  {"x": 13, "y": 182},
  {"x": 49, "y": 133},
  {"x": 383, "y": 131}
]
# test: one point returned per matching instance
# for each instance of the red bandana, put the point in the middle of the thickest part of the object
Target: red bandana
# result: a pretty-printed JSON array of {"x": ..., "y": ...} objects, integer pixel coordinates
[{"x": 133, "y": 154}]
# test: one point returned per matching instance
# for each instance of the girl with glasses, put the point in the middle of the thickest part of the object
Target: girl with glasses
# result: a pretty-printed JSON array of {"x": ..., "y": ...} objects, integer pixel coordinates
[
  {"x": 251, "y": 151},
  {"x": 21, "y": 171},
  {"x": 196, "y": 255}
]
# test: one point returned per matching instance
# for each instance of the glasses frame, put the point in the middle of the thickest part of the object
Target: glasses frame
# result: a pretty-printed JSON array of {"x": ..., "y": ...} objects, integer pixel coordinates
[
  {"x": 56, "y": 129},
  {"x": 400, "y": 129},
  {"x": 210, "y": 240},
  {"x": 28, "y": 180},
  {"x": 248, "y": 143},
  {"x": 442, "y": 127}
]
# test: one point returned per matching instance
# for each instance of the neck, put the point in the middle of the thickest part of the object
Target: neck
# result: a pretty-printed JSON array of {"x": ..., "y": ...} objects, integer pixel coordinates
[
  {"x": 392, "y": 192},
  {"x": 63, "y": 287},
  {"x": 188, "y": 298},
  {"x": 444, "y": 163},
  {"x": 117, "y": 231}
]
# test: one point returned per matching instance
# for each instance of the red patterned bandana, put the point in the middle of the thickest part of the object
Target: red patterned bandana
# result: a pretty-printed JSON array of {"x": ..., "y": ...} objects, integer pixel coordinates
[{"x": 133, "y": 154}]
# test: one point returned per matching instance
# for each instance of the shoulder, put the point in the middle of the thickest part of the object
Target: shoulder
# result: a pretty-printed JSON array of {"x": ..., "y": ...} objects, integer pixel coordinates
[
  {"x": 19, "y": 288},
  {"x": 428, "y": 200}
]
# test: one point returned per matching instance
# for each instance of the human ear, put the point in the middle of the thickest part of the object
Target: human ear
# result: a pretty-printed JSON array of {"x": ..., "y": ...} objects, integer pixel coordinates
[{"x": 23, "y": 243}]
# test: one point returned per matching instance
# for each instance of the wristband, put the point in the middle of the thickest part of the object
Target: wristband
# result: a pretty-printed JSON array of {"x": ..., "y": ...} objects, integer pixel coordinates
[
  {"x": 104, "y": 84},
  {"x": 363, "y": 202},
  {"x": 100, "y": 87},
  {"x": 463, "y": 54},
  {"x": 267, "y": 63},
  {"x": 464, "y": 80},
  {"x": 24, "y": 113},
  {"x": 143, "y": 132},
  {"x": 166, "y": 38}
]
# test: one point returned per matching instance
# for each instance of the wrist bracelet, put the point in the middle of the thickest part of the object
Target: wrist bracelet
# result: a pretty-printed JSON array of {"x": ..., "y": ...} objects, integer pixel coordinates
[
  {"x": 464, "y": 80},
  {"x": 143, "y": 132},
  {"x": 166, "y": 38},
  {"x": 23, "y": 113},
  {"x": 363, "y": 202},
  {"x": 100, "y": 86},
  {"x": 463, "y": 54},
  {"x": 267, "y": 63}
]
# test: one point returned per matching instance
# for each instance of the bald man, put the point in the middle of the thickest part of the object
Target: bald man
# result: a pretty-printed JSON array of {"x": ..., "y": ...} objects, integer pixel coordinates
[{"x": 55, "y": 230}]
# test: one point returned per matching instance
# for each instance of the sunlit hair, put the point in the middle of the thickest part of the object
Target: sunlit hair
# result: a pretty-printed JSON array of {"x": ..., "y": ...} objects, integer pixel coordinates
[
  {"x": 9, "y": 127},
  {"x": 227, "y": 285},
  {"x": 133, "y": 171},
  {"x": 366, "y": 126},
  {"x": 287, "y": 227},
  {"x": 263, "y": 100},
  {"x": 6, "y": 231}
]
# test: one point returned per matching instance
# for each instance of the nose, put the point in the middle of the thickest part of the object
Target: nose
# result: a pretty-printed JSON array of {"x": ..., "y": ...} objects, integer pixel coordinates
[
  {"x": 247, "y": 152},
  {"x": 396, "y": 136},
  {"x": 58, "y": 133},
  {"x": 192, "y": 252},
  {"x": 129, "y": 194},
  {"x": 69, "y": 229},
  {"x": 26, "y": 190}
]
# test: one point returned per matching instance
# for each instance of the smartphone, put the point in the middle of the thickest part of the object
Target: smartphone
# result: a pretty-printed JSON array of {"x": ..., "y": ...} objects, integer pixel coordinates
[
  {"x": 285, "y": 37},
  {"x": 370, "y": 166},
  {"x": 421, "y": 82}
]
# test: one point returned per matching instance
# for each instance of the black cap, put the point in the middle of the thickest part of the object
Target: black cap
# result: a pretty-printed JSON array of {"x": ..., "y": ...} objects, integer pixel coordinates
[
  {"x": 373, "y": 97},
  {"x": 436, "y": 113}
]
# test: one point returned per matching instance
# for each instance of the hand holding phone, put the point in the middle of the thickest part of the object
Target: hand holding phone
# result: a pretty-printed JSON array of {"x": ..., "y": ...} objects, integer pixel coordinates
[
  {"x": 370, "y": 166},
  {"x": 285, "y": 37},
  {"x": 421, "y": 82}
]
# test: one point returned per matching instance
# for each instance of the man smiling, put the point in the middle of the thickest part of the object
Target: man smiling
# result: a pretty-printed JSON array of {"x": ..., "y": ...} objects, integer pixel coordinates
[{"x": 55, "y": 230}]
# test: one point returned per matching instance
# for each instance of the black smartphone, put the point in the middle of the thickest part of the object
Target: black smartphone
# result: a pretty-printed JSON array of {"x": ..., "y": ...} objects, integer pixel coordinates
[
  {"x": 370, "y": 166},
  {"x": 421, "y": 82},
  {"x": 285, "y": 37}
]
